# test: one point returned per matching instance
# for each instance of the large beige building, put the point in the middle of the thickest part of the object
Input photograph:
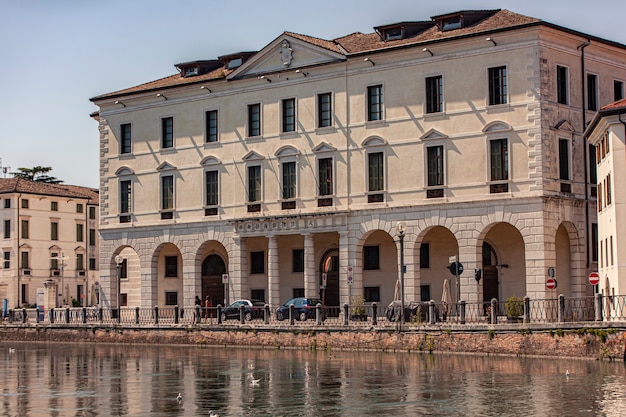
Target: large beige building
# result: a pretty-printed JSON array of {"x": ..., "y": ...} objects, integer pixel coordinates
[
  {"x": 49, "y": 244},
  {"x": 607, "y": 131},
  {"x": 285, "y": 171}
]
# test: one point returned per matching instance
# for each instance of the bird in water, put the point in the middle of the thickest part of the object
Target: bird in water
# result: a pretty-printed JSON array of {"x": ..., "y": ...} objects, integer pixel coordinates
[
  {"x": 11, "y": 350},
  {"x": 213, "y": 414},
  {"x": 567, "y": 372},
  {"x": 254, "y": 381},
  {"x": 179, "y": 397}
]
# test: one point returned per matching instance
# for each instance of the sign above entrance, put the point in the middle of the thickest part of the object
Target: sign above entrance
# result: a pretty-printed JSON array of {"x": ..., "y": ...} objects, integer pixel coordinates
[{"x": 285, "y": 224}]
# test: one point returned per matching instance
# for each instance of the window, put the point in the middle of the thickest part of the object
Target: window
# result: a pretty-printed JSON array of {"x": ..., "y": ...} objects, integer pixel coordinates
[
  {"x": 25, "y": 260},
  {"x": 618, "y": 90},
  {"x": 125, "y": 138},
  {"x": 289, "y": 180},
  {"x": 124, "y": 299},
  {"x": 325, "y": 166},
  {"x": 171, "y": 266},
  {"x": 25, "y": 229},
  {"x": 425, "y": 293},
  {"x": 375, "y": 171},
  {"x": 564, "y": 159},
  {"x": 92, "y": 264},
  {"x": 254, "y": 183},
  {"x": 254, "y": 120},
  {"x": 54, "y": 206},
  {"x": 435, "y": 165},
  {"x": 124, "y": 269},
  {"x": 434, "y": 94},
  {"x": 257, "y": 262},
  {"x": 171, "y": 298},
  {"x": 167, "y": 132},
  {"x": 212, "y": 191},
  {"x": 125, "y": 193},
  {"x": 298, "y": 292},
  {"x": 211, "y": 126},
  {"x": 324, "y": 110},
  {"x": 7, "y": 260},
  {"x": 610, "y": 250},
  {"x": 592, "y": 92},
  {"x": 608, "y": 190},
  {"x": 167, "y": 192},
  {"x": 54, "y": 231},
  {"x": 562, "y": 83},
  {"x": 593, "y": 169},
  {"x": 24, "y": 203},
  {"x": 371, "y": 294},
  {"x": 80, "y": 262},
  {"x": 375, "y": 102},
  {"x": 497, "y": 86},
  {"x": 289, "y": 115},
  {"x": 92, "y": 237},
  {"x": 24, "y": 293},
  {"x": 92, "y": 213},
  {"x": 7, "y": 203},
  {"x": 371, "y": 258},
  {"x": 424, "y": 256},
  {"x": 499, "y": 160},
  {"x": 451, "y": 23},
  {"x": 594, "y": 242},
  {"x": 79, "y": 208},
  {"x": 7, "y": 229},
  {"x": 258, "y": 295},
  {"x": 298, "y": 260},
  {"x": 79, "y": 232}
]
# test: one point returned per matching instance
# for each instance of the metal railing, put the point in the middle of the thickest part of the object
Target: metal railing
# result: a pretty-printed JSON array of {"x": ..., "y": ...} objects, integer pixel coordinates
[{"x": 556, "y": 310}]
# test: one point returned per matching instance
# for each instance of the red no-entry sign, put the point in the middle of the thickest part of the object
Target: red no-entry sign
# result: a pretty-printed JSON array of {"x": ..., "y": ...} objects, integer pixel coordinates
[
  {"x": 594, "y": 278},
  {"x": 551, "y": 283}
]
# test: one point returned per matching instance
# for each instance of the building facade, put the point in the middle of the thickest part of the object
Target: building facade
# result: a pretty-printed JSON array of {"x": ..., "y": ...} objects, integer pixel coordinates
[
  {"x": 49, "y": 244},
  {"x": 285, "y": 172},
  {"x": 607, "y": 131}
]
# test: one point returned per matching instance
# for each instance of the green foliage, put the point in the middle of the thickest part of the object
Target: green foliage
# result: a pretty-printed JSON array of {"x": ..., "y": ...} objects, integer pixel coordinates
[
  {"x": 492, "y": 334},
  {"x": 514, "y": 307},
  {"x": 358, "y": 305},
  {"x": 37, "y": 174}
]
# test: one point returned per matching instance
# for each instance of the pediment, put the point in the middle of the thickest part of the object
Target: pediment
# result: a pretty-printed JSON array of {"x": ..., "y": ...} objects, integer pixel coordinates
[
  {"x": 287, "y": 150},
  {"x": 564, "y": 125},
  {"x": 324, "y": 147},
  {"x": 284, "y": 53},
  {"x": 374, "y": 141},
  {"x": 496, "y": 127},
  {"x": 210, "y": 160},
  {"x": 166, "y": 166},
  {"x": 252, "y": 156},
  {"x": 433, "y": 134},
  {"x": 124, "y": 171}
]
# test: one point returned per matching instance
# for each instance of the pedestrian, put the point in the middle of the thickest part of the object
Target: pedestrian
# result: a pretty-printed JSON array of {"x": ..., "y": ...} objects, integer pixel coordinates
[
  {"x": 197, "y": 308},
  {"x": 208, "y": 304}
]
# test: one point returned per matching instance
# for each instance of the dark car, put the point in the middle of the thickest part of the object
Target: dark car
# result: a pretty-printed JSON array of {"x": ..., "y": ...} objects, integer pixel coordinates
[
  {"x": 252, "y": 309},
  {"x": 303, "y": 307}
]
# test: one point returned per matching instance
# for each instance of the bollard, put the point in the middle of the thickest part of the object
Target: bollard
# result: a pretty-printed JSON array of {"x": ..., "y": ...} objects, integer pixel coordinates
[
  {"x": 51, "y": 315},
  {"x": 241, "y": 315},
  {"x": 318, "y": 314},
  {"x": 462, "y": 312},
  {"x": 598, "y": 307},
  {"x": 266, "y": 313},
  {"x": 84, "y": 313},
  {"x": 561, "y": 312},
  {"x": 494, "y": 311},
  {"x": 527, "y": 309},
  {"x": 374, "y": 314},
  {"x": 156, "y": 314},
  {"x": 119, "y": 314},
  {"x": 431, "y": 312},
  {"x": 67, "y": 315},
  {"x": 23, "y": 315},
  {"x": 37, "y": 319},
  {"x": 198, "y": 312},
  {"x": 291, "y": 314},
  {"x": 100, "y": 315},
  {"x": 219, "y": 314},
  {"x": 346, "y": 314},
  {"x": 176, "y": 314},
  {"x": 136, "y": 315}
]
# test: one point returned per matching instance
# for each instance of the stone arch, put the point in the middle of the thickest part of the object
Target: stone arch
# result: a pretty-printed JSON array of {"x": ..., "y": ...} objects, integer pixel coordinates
[{"x": 211, "y": 261}]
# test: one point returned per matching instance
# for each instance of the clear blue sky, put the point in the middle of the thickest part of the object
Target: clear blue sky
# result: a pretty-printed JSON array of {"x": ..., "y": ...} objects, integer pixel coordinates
[{"x": 55, "y": 55}]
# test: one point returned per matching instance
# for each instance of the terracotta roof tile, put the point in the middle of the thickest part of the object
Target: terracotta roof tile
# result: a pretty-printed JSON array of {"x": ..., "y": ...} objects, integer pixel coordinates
[
  {"x": 322, "y": 43},
  {"x": 18, "y": 185},
  {"x": 615, "y": 105}
]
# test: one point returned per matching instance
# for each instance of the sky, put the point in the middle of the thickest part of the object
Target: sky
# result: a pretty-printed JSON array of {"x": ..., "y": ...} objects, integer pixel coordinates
[{"x": 56, "y": 55}]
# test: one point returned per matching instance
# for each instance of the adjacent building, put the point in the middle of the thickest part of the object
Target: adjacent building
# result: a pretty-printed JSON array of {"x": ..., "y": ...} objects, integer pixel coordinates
[
  {"x": 49, "y": 244},
  {"x": 286, "y": 171}
]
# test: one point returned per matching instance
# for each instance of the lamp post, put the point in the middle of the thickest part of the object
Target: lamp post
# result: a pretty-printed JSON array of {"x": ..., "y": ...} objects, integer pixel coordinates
[
  {"x": 400, "y": 228},
  {"x": 119, "y": 260}
]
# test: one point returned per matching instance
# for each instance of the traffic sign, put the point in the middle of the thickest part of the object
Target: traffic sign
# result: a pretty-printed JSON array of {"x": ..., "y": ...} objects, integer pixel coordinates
[
  {"x": 456, "y": 268},
  {"x": 594, "y": 278},
  {"x": 551, "y": 283}
]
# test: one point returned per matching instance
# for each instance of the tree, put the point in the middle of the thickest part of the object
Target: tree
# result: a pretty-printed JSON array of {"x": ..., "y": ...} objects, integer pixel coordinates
[{"x": 38, "y": 174}]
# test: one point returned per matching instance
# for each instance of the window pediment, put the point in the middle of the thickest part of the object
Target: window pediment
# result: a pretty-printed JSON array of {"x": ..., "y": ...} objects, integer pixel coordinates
[
  {"x": 287, "y": 151},
  {"x": 324, "y": 147},
  {"x": 497, "y": 127},
  {"x": 374, "y": 141},
  {"x": 564, "y": 125},
  {"x": 433, "y": 134},
  {"x": 253, "y": 156},
  {"x": 121, "y": 171},
  {"x": 166, "y": 166},
  {"x": 210, "y": 161}
]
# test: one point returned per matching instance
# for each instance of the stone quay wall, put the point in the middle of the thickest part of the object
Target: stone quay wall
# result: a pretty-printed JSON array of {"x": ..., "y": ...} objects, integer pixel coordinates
[{"x": 598, "y": 342}]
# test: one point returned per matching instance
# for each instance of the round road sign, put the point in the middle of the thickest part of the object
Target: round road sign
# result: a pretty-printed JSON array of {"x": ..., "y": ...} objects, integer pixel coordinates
[
  {"x": 551, "y": 283},
  {"x": 594, "y": 278},
  {"x": 456, "y": 268}
]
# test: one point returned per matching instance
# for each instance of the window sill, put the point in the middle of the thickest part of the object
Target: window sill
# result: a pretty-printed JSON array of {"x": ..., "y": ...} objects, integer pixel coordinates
[{"x": 371, "y": 124}]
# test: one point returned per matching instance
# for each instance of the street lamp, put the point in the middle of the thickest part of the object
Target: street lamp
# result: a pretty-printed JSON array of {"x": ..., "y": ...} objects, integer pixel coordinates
[
  {"x": 400, "y": 228},
  {"x": 119, "y": 260}
]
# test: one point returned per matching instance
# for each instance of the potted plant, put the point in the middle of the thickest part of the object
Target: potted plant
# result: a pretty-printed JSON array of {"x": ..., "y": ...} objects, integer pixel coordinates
[
  {"x": 357, "y": 312},
  {"x": 514, "y": 308}
]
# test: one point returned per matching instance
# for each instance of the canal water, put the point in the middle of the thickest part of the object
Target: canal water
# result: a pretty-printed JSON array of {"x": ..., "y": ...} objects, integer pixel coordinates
[{"x": 122, "y": 380}]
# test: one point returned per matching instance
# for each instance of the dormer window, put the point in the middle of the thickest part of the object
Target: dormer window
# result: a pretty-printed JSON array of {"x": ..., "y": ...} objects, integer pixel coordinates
[
  {"x": 234, "y": 63},
  {"x": 191, "y": 71},
  {"x": 392, "y": 34},
  {"x": 452, "y": 23}
]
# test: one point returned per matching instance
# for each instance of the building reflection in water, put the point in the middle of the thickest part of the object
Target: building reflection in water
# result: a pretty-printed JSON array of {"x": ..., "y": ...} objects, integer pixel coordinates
[{"x": 74, "y": 379}]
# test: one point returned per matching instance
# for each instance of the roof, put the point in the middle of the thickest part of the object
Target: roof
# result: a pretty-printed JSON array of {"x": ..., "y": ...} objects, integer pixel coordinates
[
  {"x": 354, "y": 44},
  {"x": 612, "y": 109},
  {"x": 19, "y": 185}
]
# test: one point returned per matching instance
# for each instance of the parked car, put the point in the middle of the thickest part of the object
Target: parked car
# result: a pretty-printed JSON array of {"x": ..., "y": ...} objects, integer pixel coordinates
[
  {"x": 304, "y": 308},
  {"x": 252, "y": 309}
]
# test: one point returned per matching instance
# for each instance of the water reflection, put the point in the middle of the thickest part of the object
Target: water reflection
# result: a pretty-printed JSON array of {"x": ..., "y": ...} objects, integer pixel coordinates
[{"x": 94, "y": 380}]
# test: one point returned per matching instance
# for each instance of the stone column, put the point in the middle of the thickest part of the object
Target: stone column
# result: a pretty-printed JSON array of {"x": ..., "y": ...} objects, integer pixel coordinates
[
  {"x": 237, "y": 270},
  {"x": 347, "y": 259},
  {"x": 311, "y": 287},
  {"x": 273, "y": 278},
  {"x": 50, "y": 288}
]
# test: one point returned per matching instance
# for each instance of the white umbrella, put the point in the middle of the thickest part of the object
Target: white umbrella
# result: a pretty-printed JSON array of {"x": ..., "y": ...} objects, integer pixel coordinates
[
  {"x": 396, "y": 292},
  {"x": 446, "y": 298}
]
